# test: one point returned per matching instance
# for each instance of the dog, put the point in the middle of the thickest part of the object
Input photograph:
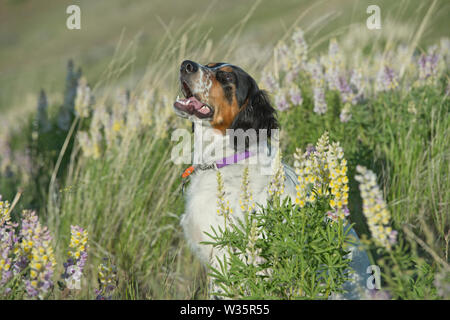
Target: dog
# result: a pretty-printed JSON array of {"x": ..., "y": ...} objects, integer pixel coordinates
[{"x": 221, "y": 99}]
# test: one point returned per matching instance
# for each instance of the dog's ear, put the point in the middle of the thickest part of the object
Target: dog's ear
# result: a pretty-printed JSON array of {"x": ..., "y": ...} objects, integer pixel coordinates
[{"x": 257, "y": 114}]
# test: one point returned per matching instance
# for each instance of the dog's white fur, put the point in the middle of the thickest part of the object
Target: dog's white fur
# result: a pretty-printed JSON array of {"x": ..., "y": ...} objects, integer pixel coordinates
[{"x": 201, "y": 204}]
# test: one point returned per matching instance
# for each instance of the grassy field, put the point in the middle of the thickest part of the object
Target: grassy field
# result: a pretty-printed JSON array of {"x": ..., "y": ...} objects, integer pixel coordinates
[{"x": 108, "y": 169}]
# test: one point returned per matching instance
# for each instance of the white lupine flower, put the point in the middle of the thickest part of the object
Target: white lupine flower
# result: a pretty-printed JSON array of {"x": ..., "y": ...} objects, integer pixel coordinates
[{"x": 295, "y": 95}]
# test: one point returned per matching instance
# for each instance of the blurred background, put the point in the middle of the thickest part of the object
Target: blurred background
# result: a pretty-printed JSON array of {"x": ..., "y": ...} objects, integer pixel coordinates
[{"x": 36, "y": 44}]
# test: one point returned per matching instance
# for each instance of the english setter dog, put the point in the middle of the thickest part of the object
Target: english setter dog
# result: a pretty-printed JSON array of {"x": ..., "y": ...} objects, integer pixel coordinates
[{"x": 221, "y": 99}]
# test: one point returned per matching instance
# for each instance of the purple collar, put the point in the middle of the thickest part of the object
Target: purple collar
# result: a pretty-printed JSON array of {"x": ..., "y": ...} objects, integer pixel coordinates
[
  {"x": 233, "y": 159},
  {"x": 219, "y": 164}
]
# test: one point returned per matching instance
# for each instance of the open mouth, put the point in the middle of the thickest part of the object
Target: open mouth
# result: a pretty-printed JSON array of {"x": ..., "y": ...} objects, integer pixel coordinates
[{"x": 191, "y": 105}]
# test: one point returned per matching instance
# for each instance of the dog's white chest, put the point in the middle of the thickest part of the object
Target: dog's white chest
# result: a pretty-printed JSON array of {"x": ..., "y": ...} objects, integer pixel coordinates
[{"x": 201, "y": 213}]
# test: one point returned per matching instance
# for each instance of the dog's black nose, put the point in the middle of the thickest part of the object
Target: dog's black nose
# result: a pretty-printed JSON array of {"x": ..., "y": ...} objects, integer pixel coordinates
[{"x": 188, "y": 66}]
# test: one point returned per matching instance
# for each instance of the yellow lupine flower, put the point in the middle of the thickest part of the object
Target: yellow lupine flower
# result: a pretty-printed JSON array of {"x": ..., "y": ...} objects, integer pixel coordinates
[{"x": 374, "y": 208}]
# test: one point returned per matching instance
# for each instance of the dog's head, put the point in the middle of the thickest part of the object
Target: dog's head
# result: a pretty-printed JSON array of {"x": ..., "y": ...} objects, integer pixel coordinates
[{"x": 225, "y": 96}]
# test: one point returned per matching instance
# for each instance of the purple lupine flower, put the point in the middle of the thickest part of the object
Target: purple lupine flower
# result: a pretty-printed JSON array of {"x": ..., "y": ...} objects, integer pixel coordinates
[
  {"x": 316, "y": 71},
  {"x": 332, "y": 215},
  {"x": 345, "y": 91},
  {"x": 346, "y": 211},
  {"x": 300, "y": 46},
  {"x": 428, "y": 64},
  {"x": 269, "y": 82},
  {"x": 295, "y": 95},
  {"x": 393, "y": 237},
  {"x": 281, "y": 101},
  {"x": 387, "y": 79},
  {"x": 43, "y": 125},
  {"x": 292, "y": 74},
  {"x": 8, "y": 242},
  {"x": 35, "y": 251},
  {"x": 310, "y": 149},
  {"x": 107, "y": 280},
  {"x": 320, "y": 105}
]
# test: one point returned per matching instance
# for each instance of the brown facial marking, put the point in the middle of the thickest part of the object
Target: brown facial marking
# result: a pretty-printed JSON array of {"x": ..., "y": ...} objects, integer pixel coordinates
[
  {"x": 211, "y": 65},
  {"x": 226, "y": 69},
  {"x": 224, "y": 111}
]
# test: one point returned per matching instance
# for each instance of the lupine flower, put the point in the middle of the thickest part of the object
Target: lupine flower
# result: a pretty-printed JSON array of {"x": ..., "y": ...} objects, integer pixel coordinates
[
  {"x": 320, "y": 105},
  {"x": 8, "y": 241},
  {"x": 310, "y": 168},
  {"x": 386, "y": 79},
  {"x": 73, "y": 267},
  {"x": 375, "y": 209},
  {"x": 428, "y": 66},
  {"x": 305, "y": 170},
  {"x": 246, "y": 200},
  {"x": 322, "y": 171},
  {"x": 276, "y": 185},
  {"x": 300, "y": 47},
  {"x": 35, "y": 249},
  {"x": 223, "y": 206},
  {"x": 269, "y": 82},
  {"x": 253, "y": 253},
  {"x": 295, "y": 95},
  {"x": 107, "y": 280},
  {"x": 315, "y": 70},
  {"x": 4, "y": 212},
  {"x": 83, "y": 99},
  {"x": 280, "y": 101},
  {"x": 89, "y": 147},
  {"x": 345, "y": 91},
  {"x": 65, "y": 115},
  {"x": 43, "y": 125},
  {"x": 291, "y": 75},
  {"x": 284, "y": 57},
  {"x": 345, "y": 115},
  {"x": 337, "y": 167},
  {"x": 333, "y": 65},
  {"x": 248, "y": 206}
]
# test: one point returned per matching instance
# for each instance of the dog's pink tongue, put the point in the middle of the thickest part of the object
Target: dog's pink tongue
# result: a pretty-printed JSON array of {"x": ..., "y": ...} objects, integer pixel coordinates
[{"x": 195, "y": 103}]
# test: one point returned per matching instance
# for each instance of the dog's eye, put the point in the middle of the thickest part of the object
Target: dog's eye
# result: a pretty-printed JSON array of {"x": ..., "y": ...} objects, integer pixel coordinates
[{"x": 225, "y": 76}]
